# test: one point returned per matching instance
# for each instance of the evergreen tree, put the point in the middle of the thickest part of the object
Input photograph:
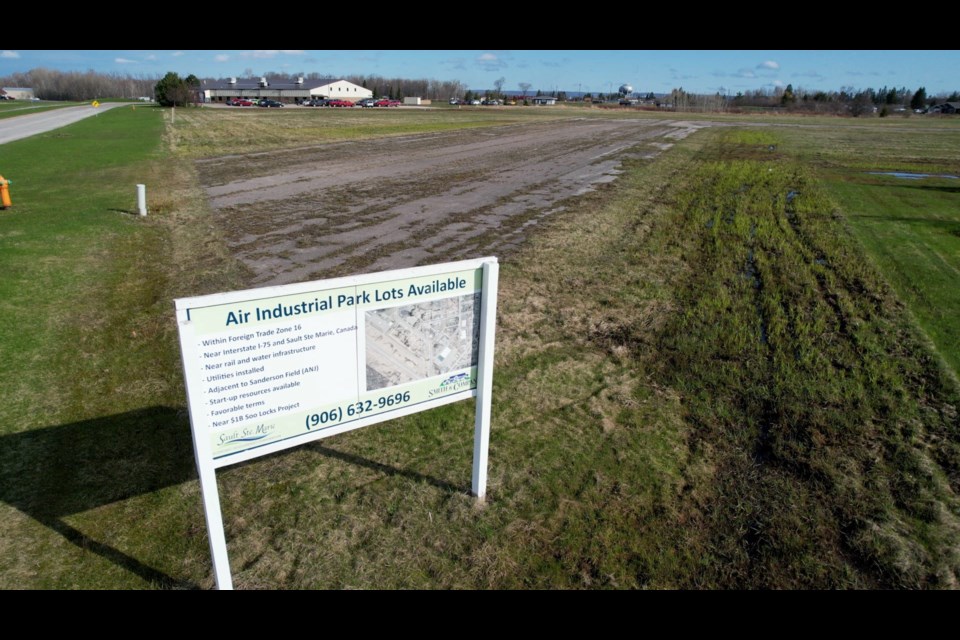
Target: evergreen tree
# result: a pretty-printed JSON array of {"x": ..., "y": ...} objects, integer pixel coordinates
[
  {"x": 788, "y": 97},
  {"x": 172, "y": 90},
  {"x": 919, "y": 99}
]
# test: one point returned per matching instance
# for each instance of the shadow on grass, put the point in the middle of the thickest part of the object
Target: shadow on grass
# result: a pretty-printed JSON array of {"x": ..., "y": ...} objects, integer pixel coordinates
[
  {"x": 380, "y": 467},
  {"x": 129, "y": 212},
  {"x": 55, "y": 472}
]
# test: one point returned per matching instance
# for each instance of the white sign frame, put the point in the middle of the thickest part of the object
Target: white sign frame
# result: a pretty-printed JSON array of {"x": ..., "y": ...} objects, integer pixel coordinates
[{"x": 208, "y": 462}]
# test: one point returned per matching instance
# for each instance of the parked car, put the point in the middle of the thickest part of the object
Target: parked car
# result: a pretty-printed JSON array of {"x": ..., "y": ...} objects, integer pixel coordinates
[
  {"x": 454, "y": 101},
  {"x": 270, "y": 103},
  {"x": 317, "y": 102},
  {"x": 367, "y": 102},
  {"x": 339, "y": 103},
  {"x": 387, "y": 103},
  {"x": 240, "y": 102}
]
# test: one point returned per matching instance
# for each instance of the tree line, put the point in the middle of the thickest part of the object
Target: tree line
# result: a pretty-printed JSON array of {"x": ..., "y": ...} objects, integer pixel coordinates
[
  {"x": 847, "y": 100},
  {"x": 50, "y": 84}
]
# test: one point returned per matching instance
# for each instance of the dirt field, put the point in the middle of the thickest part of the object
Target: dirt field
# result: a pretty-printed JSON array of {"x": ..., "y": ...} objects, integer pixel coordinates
[{"x": 398, "y": 202}]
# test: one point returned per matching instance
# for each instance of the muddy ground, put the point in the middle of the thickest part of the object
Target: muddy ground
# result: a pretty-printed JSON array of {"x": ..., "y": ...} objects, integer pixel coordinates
[{"x": 343, "y": 208}]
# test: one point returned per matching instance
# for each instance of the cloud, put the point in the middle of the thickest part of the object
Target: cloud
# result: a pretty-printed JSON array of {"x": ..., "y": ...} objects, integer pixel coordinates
[
  {"x": 778, "y": 83},
  {"x": 745, "y": 73},
  {"x": 271, "y": 53},
  {"x": 151, "y": 57},
  {"x": 177, "y": 54},
  {"x": 124, "y": 61},
  {"x": 769, "y": 64},
  {"x": 490, "y": 62},
  {"x": 455, "y": 63},
  {"x": 221, "y": 57},
  {"x": 9, "y": 54},
  {"x": 814, "y": 75}
]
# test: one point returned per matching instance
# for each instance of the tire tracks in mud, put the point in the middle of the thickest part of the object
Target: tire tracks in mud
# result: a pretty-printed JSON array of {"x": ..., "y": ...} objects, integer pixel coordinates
[{"x": 335, "y": 209}]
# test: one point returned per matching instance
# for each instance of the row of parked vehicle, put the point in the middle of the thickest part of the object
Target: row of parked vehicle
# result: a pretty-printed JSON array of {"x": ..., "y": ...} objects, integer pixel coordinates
[
  {"x": 243, "y": 102},
  {"x": 475, "y": 102},
  {"x": 369, "y": 102}
]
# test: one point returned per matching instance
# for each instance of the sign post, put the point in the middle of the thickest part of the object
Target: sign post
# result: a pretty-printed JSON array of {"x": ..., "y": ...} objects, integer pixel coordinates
[
  {"x": 488, "y": 323},
  {"x": 273, "y": 368}
]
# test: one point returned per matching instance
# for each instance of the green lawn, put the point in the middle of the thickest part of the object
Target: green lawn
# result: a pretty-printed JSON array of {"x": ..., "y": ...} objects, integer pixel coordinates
[{"x": 90, "y": 422}]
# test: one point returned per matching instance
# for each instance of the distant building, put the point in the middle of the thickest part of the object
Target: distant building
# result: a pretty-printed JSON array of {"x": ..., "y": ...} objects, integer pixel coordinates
[
  {"x": 946, "y": 107},
  {"x": 18, "y": 93},
  {"x": 543, "y": 100},
  {"x": 296, "y": 91}
]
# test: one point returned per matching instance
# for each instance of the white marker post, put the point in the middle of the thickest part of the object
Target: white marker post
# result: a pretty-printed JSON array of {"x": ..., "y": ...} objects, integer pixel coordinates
[
  {"x": 274, "y": 368},
  {"x": 142, "y": 199}
]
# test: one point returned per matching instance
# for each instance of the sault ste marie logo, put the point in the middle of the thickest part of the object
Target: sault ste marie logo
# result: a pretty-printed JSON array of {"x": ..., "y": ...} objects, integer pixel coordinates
[{"x": 456, "y": 382}]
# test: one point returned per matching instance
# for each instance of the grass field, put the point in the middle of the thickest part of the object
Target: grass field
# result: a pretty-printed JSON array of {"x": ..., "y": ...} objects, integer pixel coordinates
[
  {"x": 705, "y": 382},
  {"x": 207, "y": 132},
  {"x": 910, "y": 228}
]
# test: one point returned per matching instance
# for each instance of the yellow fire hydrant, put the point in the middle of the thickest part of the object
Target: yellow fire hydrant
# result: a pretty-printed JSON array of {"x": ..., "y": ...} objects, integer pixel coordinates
[{"x": 5, "y": 194}]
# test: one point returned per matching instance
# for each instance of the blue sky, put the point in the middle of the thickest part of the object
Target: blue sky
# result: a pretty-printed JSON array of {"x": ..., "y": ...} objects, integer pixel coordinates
[{"x": 593, "y": 71}]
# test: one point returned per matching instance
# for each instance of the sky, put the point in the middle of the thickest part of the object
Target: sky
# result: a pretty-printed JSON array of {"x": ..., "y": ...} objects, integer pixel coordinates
[{"x": 658, "y": 71}]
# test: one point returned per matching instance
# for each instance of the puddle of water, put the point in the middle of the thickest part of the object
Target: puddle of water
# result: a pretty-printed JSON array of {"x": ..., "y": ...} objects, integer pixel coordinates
[{"x": 906, "y": 175}]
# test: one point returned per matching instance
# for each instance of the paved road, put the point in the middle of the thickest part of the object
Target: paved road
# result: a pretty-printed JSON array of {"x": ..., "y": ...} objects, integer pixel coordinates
[{"x": 30, "y": 125}]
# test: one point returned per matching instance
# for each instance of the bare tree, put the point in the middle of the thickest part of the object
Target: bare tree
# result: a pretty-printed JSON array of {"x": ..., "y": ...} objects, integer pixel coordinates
[
  {"x": 498, "y": 85},
  {"x": 49, "y": 84},
  {"x": 524, "y": 87}
]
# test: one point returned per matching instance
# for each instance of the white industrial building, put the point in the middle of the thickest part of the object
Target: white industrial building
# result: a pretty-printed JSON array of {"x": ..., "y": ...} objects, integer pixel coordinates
[
  {"x": 17, "y": 93},
  {"x": 284, "y": 91}
]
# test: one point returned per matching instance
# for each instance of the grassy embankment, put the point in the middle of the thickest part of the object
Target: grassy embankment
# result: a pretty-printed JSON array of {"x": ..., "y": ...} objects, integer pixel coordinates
[{"x": 701, "y": 382}]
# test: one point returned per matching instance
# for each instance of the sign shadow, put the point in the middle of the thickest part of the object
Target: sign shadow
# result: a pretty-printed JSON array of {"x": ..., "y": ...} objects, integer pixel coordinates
[
  {"x": 386, "y": 469},
  {"x": 54, "y": 472}
]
